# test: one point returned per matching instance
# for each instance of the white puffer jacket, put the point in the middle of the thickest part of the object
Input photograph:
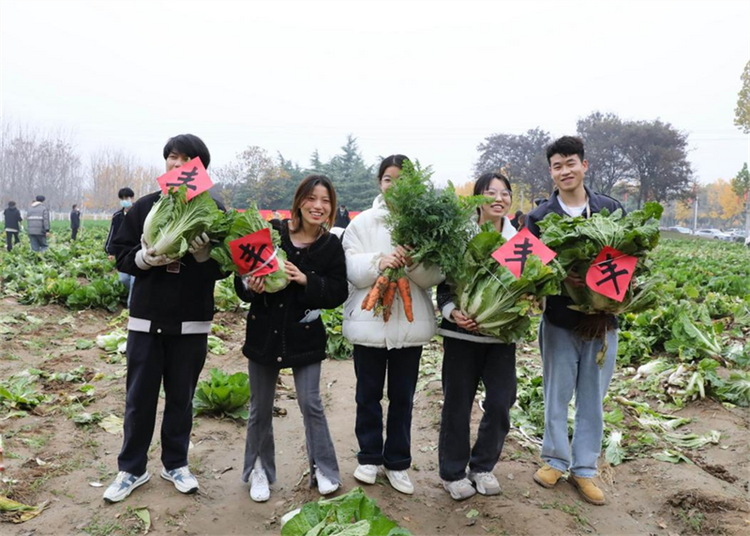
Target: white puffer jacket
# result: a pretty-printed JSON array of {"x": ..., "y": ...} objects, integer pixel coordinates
[{"x": 366, "y": 241}]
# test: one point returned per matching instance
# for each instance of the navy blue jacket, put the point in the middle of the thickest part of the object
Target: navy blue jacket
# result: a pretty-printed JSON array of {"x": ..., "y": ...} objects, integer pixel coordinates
[{"x": 557, "y": 311}]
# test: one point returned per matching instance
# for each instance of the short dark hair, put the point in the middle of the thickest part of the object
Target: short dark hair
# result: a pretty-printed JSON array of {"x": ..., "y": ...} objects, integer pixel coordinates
[
  {"x": 304, "y": 190},
  {"x": 190, "y": 146},
  {"x": 393, "y": 160},
  {"x": 566, "y": 146},
  {"x": 11, "y": 204},
  {"x": 40, "y": 198},
  {"x": 74, "y": 206},
  {"x": 126, "y": 192}
]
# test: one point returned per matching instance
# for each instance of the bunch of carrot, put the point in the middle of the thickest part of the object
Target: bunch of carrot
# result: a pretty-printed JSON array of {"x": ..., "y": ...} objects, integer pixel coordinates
[{"x": 383, "y": 294}]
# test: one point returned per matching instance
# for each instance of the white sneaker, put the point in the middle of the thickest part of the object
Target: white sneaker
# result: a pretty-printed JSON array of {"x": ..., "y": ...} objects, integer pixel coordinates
[
  {"x": 486, "y": 483},
  {"x": 259, "y": 487},
  {"x": 459, "y": 489},
  {"x": 400, "y": 481},
  {"x": 123, "y": 485},
  {"x": 325, "y": 486},
  {"x": 366, "y": 473},
  {"x": 182, "y": 479}
]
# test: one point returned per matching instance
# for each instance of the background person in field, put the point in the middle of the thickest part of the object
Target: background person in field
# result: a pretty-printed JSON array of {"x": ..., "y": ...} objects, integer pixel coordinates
[
  {"x": 37, "y": 218},
  {"x": 170, "y": 317},
  {"x": 75, "y": 222},
  {"x": 284, "y": 329},
  {"x": 568, "y": 357},
  {"x": 126, "y": 197},
  {"x": 13, "y": 221},
  {"x": 470, "y": 357},
  {"x": 380, "y": 348}
]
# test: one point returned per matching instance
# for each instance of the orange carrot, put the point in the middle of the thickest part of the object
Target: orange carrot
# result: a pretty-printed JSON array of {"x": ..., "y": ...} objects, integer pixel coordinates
[
  {"x": 405, "y": 291},
  {"x": 381, "y": 283},
  {"x": 388, "y": 297},
  {"x": 390, "y": 293}
]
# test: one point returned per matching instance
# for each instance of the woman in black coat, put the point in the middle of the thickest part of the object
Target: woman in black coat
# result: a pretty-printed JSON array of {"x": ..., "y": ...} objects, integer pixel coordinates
[{"x": 284, "y": 329}]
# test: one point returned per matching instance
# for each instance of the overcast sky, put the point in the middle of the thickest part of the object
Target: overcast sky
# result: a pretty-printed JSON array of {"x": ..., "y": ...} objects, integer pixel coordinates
[{"x": 428, "y": 79}]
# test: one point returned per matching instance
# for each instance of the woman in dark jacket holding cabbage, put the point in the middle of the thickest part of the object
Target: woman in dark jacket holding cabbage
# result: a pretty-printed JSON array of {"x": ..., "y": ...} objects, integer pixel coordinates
[{"x": 284, "y": 329}]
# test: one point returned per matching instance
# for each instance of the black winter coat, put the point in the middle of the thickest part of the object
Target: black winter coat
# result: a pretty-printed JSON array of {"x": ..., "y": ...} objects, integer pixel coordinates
[{"x": 275, "y": 336}]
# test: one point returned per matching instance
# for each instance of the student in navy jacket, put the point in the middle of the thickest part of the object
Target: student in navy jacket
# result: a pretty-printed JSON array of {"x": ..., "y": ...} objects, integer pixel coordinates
[
  {"x": 170, "y": 317},
  {"x": 568, "y": 358}
]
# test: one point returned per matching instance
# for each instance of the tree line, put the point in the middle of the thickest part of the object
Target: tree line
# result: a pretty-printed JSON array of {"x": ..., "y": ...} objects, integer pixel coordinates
[{"x": 642, "y": 160}]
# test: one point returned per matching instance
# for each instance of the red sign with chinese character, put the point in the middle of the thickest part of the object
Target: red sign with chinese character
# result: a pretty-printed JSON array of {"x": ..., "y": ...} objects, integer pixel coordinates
[
  {"x": 191, "y": 174},
  {"x": 254, "y": 254},
  {"x": 610, "y": 273},
  {"x": 516, "y": 251}
]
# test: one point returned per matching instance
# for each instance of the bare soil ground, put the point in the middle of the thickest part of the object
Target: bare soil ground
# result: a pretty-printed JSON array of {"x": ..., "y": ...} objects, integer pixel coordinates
[{"x": 50, "y": 458}]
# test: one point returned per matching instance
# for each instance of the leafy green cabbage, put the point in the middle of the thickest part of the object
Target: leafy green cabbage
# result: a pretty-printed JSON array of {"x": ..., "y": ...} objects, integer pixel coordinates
[
  {"x": 577, "y": 242},
  {"x": 241, "y": 224},
  {"x": 351, "y": 514},
  {"x": 173, "y": 222},
  {"x": 490, "y": 294}
]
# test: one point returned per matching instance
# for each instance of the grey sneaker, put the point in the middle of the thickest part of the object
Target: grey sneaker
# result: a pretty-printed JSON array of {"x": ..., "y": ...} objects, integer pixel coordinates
[
  {"x": 182, "y": 479},
  {"x": 486, "y": 483},
  {"x": 459, "y": 489},
  {"x": 123, "y": 485}
]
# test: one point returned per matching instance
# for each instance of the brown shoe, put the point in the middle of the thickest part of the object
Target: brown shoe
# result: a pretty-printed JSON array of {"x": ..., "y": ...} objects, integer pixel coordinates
[
  {"x": 547, "y": 476},
  {"x": 588, "y": 490}
]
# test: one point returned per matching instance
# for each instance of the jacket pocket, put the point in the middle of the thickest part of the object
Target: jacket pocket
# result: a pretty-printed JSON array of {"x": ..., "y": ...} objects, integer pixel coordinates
[
  {"x": 258, "y": 334},
  {"x": 307, "y": 337}
]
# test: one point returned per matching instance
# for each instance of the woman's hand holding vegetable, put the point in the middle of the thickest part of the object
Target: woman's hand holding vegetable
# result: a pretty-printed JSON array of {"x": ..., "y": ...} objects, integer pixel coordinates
[
  {"x": 403, "y": 253},
  {"x": 392, "y": 260},
  {"x": 295, "y": 274},
  {"x": 200, "y": 249},
  {"x": 255, "y": 284},
  {"x": 463, "y": 321}
]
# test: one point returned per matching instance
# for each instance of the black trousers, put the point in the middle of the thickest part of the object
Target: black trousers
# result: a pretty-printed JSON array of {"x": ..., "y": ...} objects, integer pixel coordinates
[
  {"x": 178, "y": 360},
  {"x": 402, "y": 368},
  {"x": 73, "y": 233},
  {"x": 9, "y": 239},
  {"x": 464, "y": 364}
]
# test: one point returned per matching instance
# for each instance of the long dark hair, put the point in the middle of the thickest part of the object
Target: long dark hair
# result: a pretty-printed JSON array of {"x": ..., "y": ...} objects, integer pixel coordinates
[
  {"x": 393, "y": 160},
  {"x": 484, "y": 181},
  {"x": 304, "y": 190}
]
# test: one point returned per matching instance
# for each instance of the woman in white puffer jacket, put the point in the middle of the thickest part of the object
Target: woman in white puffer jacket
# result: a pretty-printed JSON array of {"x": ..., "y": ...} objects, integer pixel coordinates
[{"x": 394, "y": 347}]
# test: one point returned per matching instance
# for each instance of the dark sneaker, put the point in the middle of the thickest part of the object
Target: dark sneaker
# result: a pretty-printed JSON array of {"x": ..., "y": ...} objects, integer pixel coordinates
[
  {"x": 182, "y": 479},
  {"x": 124, "y": 485}
]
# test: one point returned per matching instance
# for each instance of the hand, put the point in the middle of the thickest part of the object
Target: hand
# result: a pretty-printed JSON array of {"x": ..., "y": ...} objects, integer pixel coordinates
[
  {"x": 200, "y": 249},
  {"x": 403, "y": 253},
  {"x": 110, "y": 257},
  {"x": 255, "y": 284},
  {"x": 392, "y": 260},
  {"x": 294, "y": 274},
  {"x": 146, "y": 259},
  {"x": 574, "y": 280},
  {"x": 463, "y": 321}
]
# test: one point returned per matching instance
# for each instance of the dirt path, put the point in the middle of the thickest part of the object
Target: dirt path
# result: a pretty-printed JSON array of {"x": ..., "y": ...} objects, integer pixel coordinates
[{"x": 52, "y": 459}]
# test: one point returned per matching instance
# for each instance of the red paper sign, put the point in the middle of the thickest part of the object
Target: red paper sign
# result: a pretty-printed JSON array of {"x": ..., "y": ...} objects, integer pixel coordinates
[
  {"x": 610, "y": 273},
  {"x": 254, "y": 254},
  {"x": 516, "y": 251},
  {"x": 191, "y": 174}
]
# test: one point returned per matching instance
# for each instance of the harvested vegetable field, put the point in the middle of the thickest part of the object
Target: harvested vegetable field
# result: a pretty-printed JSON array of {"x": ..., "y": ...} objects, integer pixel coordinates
[{"x": 676, "y": 458}]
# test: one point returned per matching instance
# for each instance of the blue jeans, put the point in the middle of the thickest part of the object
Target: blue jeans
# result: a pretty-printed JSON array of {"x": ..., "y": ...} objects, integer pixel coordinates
[
  {"x": 569, "y": 365},
  {"x": 127, "y": 280}
]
